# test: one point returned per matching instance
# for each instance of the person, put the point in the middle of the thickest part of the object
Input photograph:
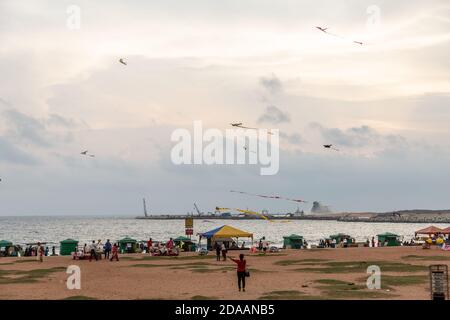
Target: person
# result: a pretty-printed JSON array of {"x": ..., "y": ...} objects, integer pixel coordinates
[
  {"x": 53, "y": 251},
  {"x": 218, "y": 249},
  {"x": 39, "y": 252},
  {"x": 107, "y": 249},
  {"x": 93, "y": 251},
  {"x": 345, "y": 242},
  {"x": 115, "y": 253},
  {"x": 260, "y": 245},
  {"x": 170, "y": 244},
  {"x": 85, "y": 248},
  {"x": 224, "y": 251},
  {"x": 243, "y": 245},
  {"x": 373, "y": 242},
  {"x": 264, "y": 247},
  {"x": 333, "y": 243},
  {"x": 149, "y": 245},
  {"x": 241, "y": 270},
  {"x": 46, "y": 251}
]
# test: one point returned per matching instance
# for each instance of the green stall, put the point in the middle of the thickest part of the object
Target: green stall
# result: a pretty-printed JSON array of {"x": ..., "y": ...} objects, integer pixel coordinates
[
  {"x": 4, "y": 246},
  {"x": 391, "y": 239},
  {"x": 340, "y": 237},
  {"x": 68, "y": 246},
  {"x": 187, "y": 243},
  {"x": 294, "y": 241},
  {"x": 127, "y": 245}
]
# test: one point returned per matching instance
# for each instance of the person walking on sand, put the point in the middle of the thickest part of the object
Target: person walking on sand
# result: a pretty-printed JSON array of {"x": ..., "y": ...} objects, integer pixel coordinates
[
  {"x": 107, "y": 249},
  {"x": 241, "y": 271},
  {"x": 115, "y": 253},
  {"x": 218, "y": 249},
  {"x": 39, "y": 252},
  {"x": 224, "y": 251},
  {"x": 93, "y": 251}
]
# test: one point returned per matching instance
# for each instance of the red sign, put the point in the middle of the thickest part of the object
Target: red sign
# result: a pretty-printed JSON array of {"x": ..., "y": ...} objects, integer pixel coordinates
[{"x": 189, "y": 231}]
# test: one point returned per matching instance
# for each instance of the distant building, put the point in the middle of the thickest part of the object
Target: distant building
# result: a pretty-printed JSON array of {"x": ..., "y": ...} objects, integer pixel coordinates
[{"x": 319, "y": 208}]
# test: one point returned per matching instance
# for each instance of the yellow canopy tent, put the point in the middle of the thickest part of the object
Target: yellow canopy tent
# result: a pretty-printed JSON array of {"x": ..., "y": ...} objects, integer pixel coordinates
[{"x": 224, "y": 232}]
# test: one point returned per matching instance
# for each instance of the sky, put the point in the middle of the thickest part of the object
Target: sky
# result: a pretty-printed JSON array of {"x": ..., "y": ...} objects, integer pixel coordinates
[{"x": 385, "y": 105}]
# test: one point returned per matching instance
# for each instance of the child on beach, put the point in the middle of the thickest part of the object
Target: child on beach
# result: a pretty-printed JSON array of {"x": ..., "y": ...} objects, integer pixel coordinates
[
  {"x": 115, "y": 253},
  {"x": 241, "y": 270}
]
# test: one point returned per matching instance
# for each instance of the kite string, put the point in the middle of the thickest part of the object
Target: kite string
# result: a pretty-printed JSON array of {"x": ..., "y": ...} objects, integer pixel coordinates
[{"x": 270, "y": 197}]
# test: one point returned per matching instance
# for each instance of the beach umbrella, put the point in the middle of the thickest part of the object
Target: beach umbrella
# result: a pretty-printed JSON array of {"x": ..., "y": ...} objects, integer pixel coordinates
[{"x": 429, "y": 230}]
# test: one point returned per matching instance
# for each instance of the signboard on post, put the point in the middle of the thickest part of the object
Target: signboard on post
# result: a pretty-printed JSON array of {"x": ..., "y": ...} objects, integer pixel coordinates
[
  {"x": 189, "y": 226},
  {"x": 439, "y": 282}
]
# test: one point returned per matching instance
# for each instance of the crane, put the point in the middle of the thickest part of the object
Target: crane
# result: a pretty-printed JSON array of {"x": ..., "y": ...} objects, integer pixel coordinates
[{"x": 196, "y": 209}]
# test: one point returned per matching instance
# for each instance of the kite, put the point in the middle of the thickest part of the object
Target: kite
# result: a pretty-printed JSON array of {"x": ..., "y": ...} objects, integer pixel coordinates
[
  {"x": 122, "y": 61},
  {"x": 240, "y": 125},
  {"x": 270, "y": 197},
  {"x": 251, "y": 212},
  {"x": 85, "y": 153},
  {"x": 330, "y": 146},
  {"x": 324, "y": 30},
  {"x": 244, "y": 211},
  {"x": 246, "y": 149}
]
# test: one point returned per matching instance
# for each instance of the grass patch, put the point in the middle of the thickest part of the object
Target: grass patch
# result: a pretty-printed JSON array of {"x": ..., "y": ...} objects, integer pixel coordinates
[
  {"x": 31, "y": 276},
  {"x": 427, "y": 258},
  {"x": 211, "y": 257},
  {"x": 80, "y": 298},
  {"x": 269, "y": 255},
  {"x": 172, "y": 266},
  {"x": 361, "y": 267},
  {"x": 299, "y": 261},
  {"x": 387, "y": 281},
  {"x": 203, "y": 298},
  {"x": 337, "y": 289},
  {"x": 287, "y": 295}
]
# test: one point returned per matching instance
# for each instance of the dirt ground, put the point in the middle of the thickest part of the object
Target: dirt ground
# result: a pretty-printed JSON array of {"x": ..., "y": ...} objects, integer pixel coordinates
[{"x": 289, "y": 274}]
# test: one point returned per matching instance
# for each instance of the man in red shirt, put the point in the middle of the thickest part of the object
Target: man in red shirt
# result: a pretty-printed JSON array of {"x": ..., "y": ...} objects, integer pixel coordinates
[{"x": 241, "y": 267}]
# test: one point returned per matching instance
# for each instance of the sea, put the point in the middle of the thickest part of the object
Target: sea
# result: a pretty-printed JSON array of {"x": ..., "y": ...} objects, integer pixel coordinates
[{"x": 52, "y": 230}]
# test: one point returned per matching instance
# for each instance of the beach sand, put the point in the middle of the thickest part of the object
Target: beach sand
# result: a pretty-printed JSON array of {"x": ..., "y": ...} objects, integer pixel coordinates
[{"x": 290, "y": 274}]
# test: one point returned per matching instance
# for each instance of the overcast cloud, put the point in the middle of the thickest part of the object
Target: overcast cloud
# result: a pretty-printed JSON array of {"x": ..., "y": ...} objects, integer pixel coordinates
[{"x": 386, "y": 104}]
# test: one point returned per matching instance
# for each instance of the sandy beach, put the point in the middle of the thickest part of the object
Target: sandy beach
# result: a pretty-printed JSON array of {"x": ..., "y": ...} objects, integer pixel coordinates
[{"x": 290, "y": 274}]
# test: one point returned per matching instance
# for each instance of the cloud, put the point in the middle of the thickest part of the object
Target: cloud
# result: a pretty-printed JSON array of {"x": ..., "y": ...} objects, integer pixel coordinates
[
  {"x": 11, "y": 154},
  {"x": 272, "y": 84},
  {"x": 295, "y": 138},
  {"x": 358, "y": 137},
  {"x": 274, "y": 115},
  {"x": 23, "y": 128}
]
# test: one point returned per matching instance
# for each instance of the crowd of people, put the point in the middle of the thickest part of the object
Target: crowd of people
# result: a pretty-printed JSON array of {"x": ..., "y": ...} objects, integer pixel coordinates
[
  {"x": 163, "y": 249},
  {"x": 96, "y": 251}
]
